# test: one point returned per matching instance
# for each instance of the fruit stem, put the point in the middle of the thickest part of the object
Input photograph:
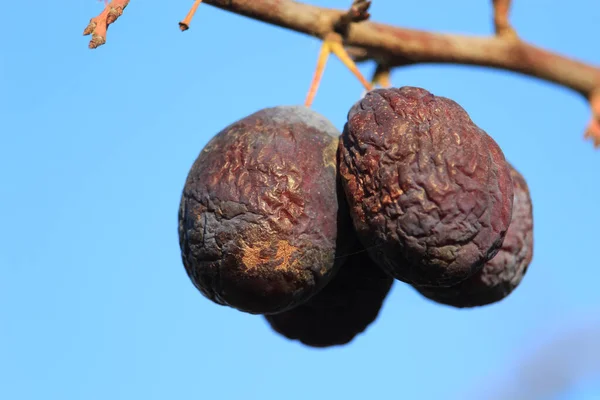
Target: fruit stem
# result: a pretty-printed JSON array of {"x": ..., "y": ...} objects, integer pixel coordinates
[
  {"x": 342, "y": 54},
  {"x": 332, "y": 46},
  {"x": 358, "y": 12},
  {"x": 321, "y": 63},
  {"x": 381, "y": 76},
  {"x": 593, "y": 129}
]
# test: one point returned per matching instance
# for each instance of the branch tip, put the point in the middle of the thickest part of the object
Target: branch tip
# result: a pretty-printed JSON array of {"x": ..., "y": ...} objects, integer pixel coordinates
[
  {"x": 96, "y": 41},
  {"x": 358, "y": 12},
  {"x": 185, "y": 24},
  {"x": 98, "y": 25}
]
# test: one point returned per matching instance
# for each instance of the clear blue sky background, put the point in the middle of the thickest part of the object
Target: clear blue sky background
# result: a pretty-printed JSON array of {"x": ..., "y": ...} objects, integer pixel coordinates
[{"x": 94, "y": 150}]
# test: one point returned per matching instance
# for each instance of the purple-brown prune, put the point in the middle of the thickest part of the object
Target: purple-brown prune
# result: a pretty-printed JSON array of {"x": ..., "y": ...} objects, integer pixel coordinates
[
  {"x": 429, "y": 191},
  {"x": 259, "y": 215},
  {"x": 342, "y": 310},
  {"x": 502, "y": 274}
]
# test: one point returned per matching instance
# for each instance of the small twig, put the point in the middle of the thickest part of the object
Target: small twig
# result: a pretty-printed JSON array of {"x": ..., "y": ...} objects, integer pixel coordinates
[
  {"x": 185, "y": 24},
  {"x": 502, "y": 26},
  {"x": 99, "y": 25}
]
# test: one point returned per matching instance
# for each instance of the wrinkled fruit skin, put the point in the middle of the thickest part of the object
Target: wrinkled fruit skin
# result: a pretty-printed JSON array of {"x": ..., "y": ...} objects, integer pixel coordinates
[
  {"x": 429, "y": 192},
  {"x": 258, "y": 218},
  {"x": 342, "y": 310},
  {"x": 503, "y": 273}
]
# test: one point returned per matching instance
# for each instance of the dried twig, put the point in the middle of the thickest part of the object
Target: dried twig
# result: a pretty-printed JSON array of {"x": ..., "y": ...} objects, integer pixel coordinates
[
  {"x": 99, "y": 25},
  {"x": 185, "y": 24}
]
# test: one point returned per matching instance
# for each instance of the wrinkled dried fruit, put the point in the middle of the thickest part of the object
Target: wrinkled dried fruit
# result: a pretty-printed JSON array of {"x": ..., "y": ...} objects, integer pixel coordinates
[
  {"x": 503, "y": 273},
  {"x": 342, "y": 310},
  {"x": 430, "y": 193},
  {"x": 258, "y": 219}
]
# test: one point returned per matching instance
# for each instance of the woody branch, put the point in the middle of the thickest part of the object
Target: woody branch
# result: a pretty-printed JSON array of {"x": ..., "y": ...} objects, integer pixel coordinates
[{"x": 393, "y": 46}]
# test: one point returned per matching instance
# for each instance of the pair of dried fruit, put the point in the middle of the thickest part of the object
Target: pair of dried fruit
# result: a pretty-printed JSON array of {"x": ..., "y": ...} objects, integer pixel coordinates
[
  {"x": 265, "y": 227},
  {"x": 432, "y": 197}
]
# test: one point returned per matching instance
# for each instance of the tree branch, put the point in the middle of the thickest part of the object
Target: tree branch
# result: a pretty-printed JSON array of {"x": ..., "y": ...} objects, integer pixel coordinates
[{"x": 394, "y": 46}]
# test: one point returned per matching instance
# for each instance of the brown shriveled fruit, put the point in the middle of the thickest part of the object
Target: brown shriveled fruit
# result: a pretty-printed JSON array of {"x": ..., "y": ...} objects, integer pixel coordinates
[
  {"x": 342, "y": 310},
  {"x": 259, "y": 216},
  {"x": 502, "y": 274},
  {"x": 430, "y": 192}
]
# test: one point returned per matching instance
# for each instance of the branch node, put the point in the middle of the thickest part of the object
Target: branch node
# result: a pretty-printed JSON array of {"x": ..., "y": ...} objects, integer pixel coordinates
[
  {"x": 185, "y": 24},
  {"x": 358, "y": 12},
  {"x": 333, "y": 42}
]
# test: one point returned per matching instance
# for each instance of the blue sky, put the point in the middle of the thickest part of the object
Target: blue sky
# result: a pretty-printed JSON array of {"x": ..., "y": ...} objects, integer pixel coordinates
[{"x": 94, "y": 150}]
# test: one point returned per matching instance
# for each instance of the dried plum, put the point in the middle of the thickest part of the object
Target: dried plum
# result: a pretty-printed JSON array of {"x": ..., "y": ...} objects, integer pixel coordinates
[
  {"x": 429, "y": 191},
  {"x": 342, "y": 310},
  {"x": 503, "y": 273},
  {"x": 259, "y": 215}
]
